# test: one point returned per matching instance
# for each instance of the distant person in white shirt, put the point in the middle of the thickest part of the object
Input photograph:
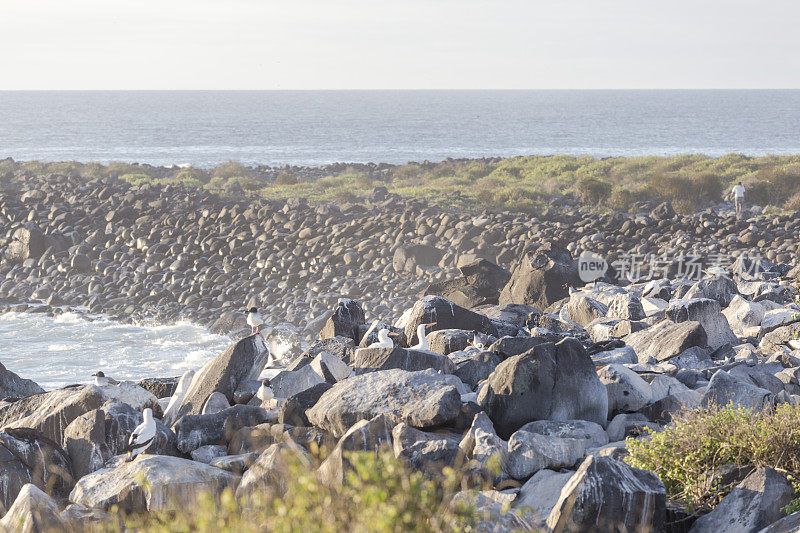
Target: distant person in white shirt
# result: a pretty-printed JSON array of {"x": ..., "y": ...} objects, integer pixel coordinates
[{"x": 738, "y": 197}]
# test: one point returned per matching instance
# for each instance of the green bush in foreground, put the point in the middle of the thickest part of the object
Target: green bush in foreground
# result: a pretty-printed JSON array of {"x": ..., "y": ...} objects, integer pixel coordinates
[
  {"x": 685, "y": 454},
  {"x": 380, "y": 494}
]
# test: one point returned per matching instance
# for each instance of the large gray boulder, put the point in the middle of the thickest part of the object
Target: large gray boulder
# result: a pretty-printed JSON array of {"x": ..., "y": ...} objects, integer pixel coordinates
[
  {"x": 33, "y": 511},
  {"x": 151, "y": 483},
  {"x": 549, "y": 382},
  {"x": 608, "y": 495},
  {"x": 287, "y": 383},
  {"x": 366, "y": 436},
  {"x": 744, "y": 317},
  {"x": 13, "y": 386},
  {"x": 51, "y": 412},
  {"x": 539, "y": 495},
  {"x": 194, "y": 431},
  {"x": 27, "y": 456},
  {"x": 709, "y": 314},
  {"x": 542, "y": 278},
  {"x": 480, "y": 284},
  {"x": 666, "y": 339},
  {"x": 293, "y": 410},
  {"x": 530, "y": 452},
  {"x": 428, "y": 452},
  {"x": 719, "y": 288},
  {"x": 583, "y": 309},
  {"x": 374, "y": 359},
  {"x": 242, "y": 361},
  {"x": 27, "y": 242},
  {"x": 85, "y": 443},
  {"x": 447, "y": 315},
  {"x": 420, "y": 399},
  {"x": 753, "y": 505},
  {"x": 345, "y": 321},
  {"x": 272, "y": 470},
  {"x": 592, "y": 433},
  {"x": 627, "y": 391},
  {"x": 724, "y": 389},
  {"x": 779, "y": 339},
  {"x": 408, "y": 258}
]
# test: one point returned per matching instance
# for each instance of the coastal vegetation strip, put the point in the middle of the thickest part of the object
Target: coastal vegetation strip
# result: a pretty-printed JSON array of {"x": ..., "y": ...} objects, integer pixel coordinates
[{"x": 527, "y": 184}]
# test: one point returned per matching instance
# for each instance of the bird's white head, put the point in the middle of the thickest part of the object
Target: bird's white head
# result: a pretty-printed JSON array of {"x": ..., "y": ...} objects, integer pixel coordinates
[{"x": 148, "y": 415}]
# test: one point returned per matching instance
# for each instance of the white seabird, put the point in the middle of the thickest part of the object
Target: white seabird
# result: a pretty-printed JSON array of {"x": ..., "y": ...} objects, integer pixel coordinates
[
  {"x": 101, "y": 380},
  {"x": 143, "y": 435},
  {"x": 254, "y": 320},
  {"x": 423, "y": 341},
  {"x": 177, "y": 397},
  {"x": 265, "y": 392},
  {"x": 477, "y": 341},
  {"x": 383, "y": 339}
]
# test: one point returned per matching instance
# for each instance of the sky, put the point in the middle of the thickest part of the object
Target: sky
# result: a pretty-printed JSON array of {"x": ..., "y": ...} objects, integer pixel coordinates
[{"x": 399, "y": 44}]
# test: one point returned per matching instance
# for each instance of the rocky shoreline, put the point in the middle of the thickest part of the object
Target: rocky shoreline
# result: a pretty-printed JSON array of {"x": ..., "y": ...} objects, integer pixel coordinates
[{"x": 532, "y": 378}]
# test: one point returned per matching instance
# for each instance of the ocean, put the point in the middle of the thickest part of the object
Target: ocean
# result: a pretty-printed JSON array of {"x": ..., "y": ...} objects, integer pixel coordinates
[{"x": 205, "y": 128}]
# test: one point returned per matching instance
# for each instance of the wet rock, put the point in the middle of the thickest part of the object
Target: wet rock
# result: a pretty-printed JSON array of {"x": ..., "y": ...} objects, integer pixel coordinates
[
  {"x": 420, "y": 399},
  {"x": 549, "y": 382}
]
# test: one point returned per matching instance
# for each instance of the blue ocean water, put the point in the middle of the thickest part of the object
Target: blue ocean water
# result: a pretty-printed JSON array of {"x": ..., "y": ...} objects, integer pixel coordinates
[{"x": 205, "y": 128}]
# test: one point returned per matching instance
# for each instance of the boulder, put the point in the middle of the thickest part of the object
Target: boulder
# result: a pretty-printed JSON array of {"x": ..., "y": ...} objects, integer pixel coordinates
[
  {"x": 779, "y": 339},
  {"x": 121, "y": 419},
  {"x": 13, "y": 386},
  {"x": 33, "y": 511},
  {"x": 366, "y": 436},
  {"x": 330, "y": 367},
  {"x": 293, "y": 410},
  {"x": 345, "y": 321},
  {"x": 51, "y": 412},
  {"x": 375, "y": 359},
  {"x": 160, "y": 387},
  {"x": 28, "y": 456},
  {"x": 152, "y": 483},
  {"x": 508, "y": 346},
  {"x": 428, "y": 452},
  {"x": 724, "y": 389},
  {"x": 753, "y": 505},
  {"x": 549, "y": 382},
  {"x": 27, "y": 242},
  {"x": 207, "y": 454},
  {"x": 608, "y": 495},
  {"x": 542, "y": 278},
  {"x": 243, "y": 360},
  {"x": 446, "y": 341},
  {"x": 420, "y": 399},
  {"x": 539, "y": 495},
  {"x": 666, "y": 339},
  {"x": 477, "y": 368},
  {"x": 272, "y": 471},
  {"x": 447, "y": 315},
  {"x": 592, "y": 433},
  {"x": 583, "y": 310},
  {"x": 708, "y": 313},
  {"x": 194, "y": 431},
  {"x": 744, "y": 317},
  {"x": 85, "y": 443},
  {"x": 530, "y": 452},
  {"x": 493, "y": 509},
  {"x": 480, "y": 284},
  {"x": 290, "y": 382},
  {"x": 627, "y": 392},
  {"x": 719, "y": 288},
  {"x": 626, "y": 306},
  {"x": 408, "y": 258},
  {"x": 215, "y": 403}
]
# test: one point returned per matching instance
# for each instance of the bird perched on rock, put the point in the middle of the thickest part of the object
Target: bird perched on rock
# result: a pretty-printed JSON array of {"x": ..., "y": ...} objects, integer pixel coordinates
[
  {"x": 101, "y": 380},
  {"x": 423, "y": 341},
  {"x": 383, "y": 339},
  {"x": 143, "y": 435},
  {"x": 478, "y": 341},
  {"x": 254, "y": 320}
]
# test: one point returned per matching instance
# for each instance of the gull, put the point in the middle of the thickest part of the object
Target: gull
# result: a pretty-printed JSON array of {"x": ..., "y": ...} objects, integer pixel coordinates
[
  {"x": 101, "y": 380},
  {"x": 143, "y": 435},
  {"x": 254, "y": 320},
  {"x": 477, "y": 341},
  {"x": 423, "y": 341}
]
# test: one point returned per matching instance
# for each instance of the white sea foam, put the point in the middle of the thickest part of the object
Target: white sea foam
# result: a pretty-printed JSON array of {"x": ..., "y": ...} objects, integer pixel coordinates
[{"x": 68, "y": 349}]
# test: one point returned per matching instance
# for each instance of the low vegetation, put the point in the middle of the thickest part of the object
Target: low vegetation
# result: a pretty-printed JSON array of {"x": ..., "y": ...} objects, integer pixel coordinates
[
  {"x": 690, "y": 454},
  {"x": 523, "y": 184},
  {"x": 379, "y": 494}
]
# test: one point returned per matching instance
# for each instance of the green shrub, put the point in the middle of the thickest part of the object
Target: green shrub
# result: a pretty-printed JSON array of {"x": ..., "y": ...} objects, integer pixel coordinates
[
  {"x": 686, "y": 452},
  {"x": 793, "y": 203},
  {"x": 193, "y": 175},
  {"x": 232, "y": 169},
  {"x": 380, "y": 494},
  {"x": 592, "y": 191},
  {"x": 286, "y": 178},
  {"x": 621, "y": 199}
]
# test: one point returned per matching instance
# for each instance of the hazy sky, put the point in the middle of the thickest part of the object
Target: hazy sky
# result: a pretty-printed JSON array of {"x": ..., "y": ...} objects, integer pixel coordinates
[{"x": 404, "y": 44}]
